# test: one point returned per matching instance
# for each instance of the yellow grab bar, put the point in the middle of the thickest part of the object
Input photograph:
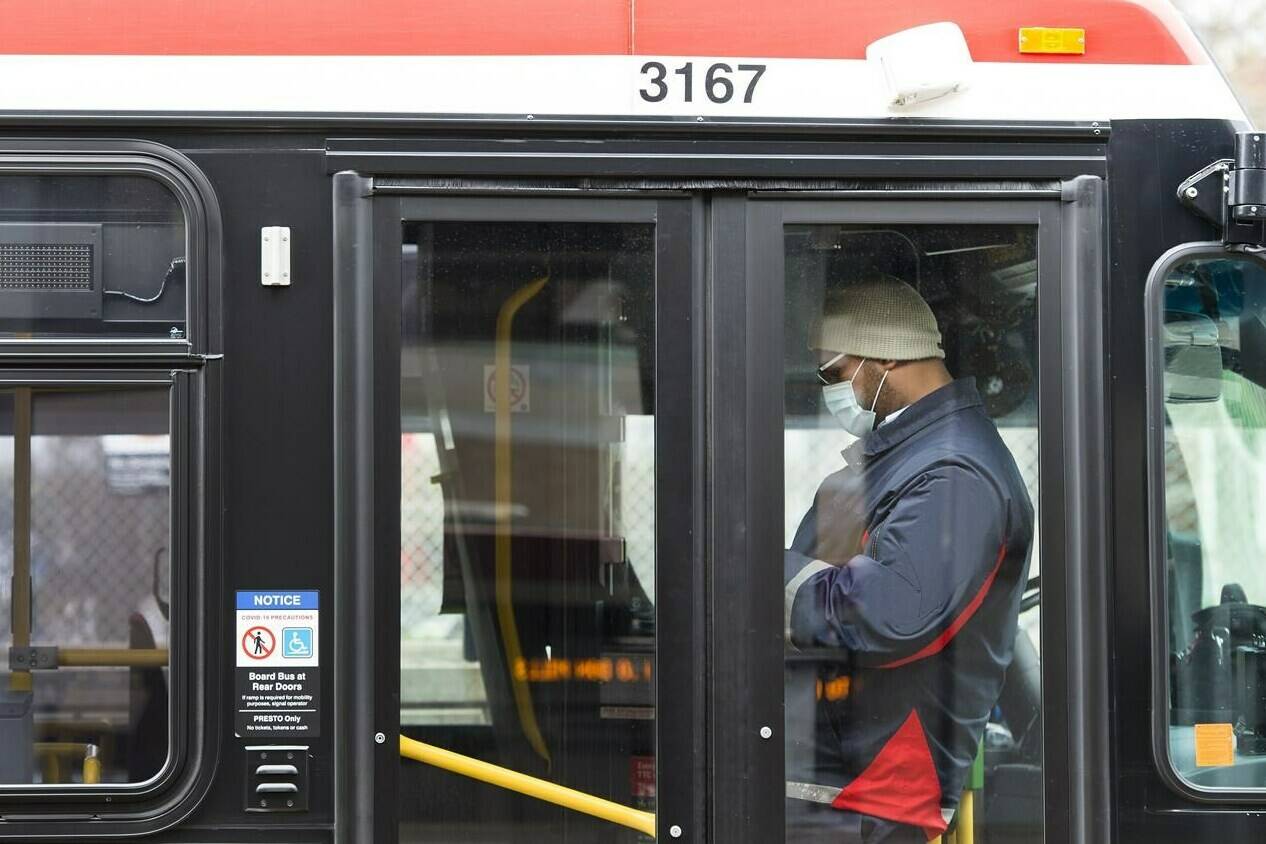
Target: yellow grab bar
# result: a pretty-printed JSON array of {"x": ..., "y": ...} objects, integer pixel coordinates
[
  {"x": 502, "y": 487},
  {"x": 559, "y": 795}
]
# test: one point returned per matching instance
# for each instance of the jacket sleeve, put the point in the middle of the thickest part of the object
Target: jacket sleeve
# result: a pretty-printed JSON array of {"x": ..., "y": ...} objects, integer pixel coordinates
[{"x": 924, "y": 563}]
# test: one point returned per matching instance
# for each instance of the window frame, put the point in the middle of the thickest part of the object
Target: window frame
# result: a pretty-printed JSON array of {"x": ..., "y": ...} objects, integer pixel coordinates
[
  {"x": 191, "y": 369},
  {"x": 197, "y": 202},
  {"x": 1154, "y": 303}
]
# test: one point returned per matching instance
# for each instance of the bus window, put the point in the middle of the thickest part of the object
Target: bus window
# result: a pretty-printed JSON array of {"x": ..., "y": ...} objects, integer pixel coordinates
[
  {"x": 912, "y": 681},
  {"x": 85, "y": 555},
  {"x": 527, "y": 560},
  {"x": 91, "y": 256},
  {"x": 1211, "y": 348}
]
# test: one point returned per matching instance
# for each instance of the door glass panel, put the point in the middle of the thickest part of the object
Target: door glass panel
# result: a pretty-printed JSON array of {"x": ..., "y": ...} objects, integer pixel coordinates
[
  {"x": 1214, "y": 380},
  {"x": 912, "y": 690},
  {"x": 527, "y": 560},
  {"x": 85, "y": 561}
]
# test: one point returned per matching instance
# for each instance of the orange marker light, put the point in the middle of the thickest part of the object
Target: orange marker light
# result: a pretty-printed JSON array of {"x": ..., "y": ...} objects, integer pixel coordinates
[{"x": 1052, "y": 40}]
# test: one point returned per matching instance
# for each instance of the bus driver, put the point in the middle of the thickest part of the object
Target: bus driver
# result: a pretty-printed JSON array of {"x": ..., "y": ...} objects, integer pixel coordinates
[{"x": 906, "y": 574}]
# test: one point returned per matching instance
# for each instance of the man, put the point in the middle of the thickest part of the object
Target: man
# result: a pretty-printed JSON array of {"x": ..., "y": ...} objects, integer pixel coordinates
[{"x": 903, "y": 582}]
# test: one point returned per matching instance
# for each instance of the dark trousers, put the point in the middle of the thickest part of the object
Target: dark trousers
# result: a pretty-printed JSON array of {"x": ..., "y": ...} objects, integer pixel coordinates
[{"x": 818, "y": 823}]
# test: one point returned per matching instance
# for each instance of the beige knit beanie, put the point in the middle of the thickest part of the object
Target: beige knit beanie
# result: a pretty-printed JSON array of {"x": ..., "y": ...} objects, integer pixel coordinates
[{"x": 881, "y": 318}]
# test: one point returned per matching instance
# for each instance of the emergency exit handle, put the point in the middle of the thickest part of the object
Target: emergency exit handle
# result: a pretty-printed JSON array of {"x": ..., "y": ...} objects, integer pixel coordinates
[
  {"x": 276, "y": 771},
  {"x": 276, "y": 788}
]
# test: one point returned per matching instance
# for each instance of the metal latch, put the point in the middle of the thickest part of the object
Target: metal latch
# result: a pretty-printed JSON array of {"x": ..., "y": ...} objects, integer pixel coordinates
[
  {"x": 1231, "y": 192},
  {"x": 32, "y": 658}
]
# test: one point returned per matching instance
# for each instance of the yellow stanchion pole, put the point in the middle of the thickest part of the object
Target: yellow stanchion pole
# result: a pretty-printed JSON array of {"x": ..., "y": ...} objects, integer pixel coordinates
[
  {"x": 967, "y": 818},
  {"x": 20, "y": 681},
  {"x": 92, "y": 765},
  {"x": 502, "y": 483},
  {"x": 559, "y": 795}
]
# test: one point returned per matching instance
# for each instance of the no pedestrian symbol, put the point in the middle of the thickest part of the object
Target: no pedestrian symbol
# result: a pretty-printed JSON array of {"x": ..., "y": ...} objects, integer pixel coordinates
[
  {"x": 259, "y": 642},
  {"x": 520, "y": 388}
]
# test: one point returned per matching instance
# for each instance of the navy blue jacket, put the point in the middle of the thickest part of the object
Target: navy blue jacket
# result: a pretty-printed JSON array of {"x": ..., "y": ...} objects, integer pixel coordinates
[{"x": 903, "y": 591}]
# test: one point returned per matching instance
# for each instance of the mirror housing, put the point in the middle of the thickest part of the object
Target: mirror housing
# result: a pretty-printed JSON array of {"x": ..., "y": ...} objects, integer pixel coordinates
[{"x": 1231, "y": 192}]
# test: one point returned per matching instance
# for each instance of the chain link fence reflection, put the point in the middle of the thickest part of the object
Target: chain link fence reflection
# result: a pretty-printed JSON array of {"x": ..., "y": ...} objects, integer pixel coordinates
[
  {"x": 809, "y": 455},
  {"x": 100, "y": 531}
]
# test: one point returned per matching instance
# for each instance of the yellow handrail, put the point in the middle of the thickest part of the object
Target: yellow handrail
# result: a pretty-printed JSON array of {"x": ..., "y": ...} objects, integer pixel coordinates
[
  {"x": 559, "y": 795},
  {"x": 502, "y": 485}
]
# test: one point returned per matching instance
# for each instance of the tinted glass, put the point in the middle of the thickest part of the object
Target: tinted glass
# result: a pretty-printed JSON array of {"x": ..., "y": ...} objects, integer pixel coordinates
[
  {"x": 90, "y": 256},
  {"x": 85, "y": 554},
  {"x": 913, "y": 701},
  {"x": 527, "y": 522},
  {"x": 1213, "y": 348}
]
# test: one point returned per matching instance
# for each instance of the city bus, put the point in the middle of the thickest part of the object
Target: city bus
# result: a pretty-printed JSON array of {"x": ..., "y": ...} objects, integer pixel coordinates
[{"x": 405, "y": 409}]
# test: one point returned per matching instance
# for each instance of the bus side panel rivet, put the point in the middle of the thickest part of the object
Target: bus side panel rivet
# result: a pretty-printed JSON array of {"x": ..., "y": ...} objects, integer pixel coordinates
[
  {"x": 380, "y": 738},
  {"x": 674, "y": 831},
  {"x": 766, "y": 732}
]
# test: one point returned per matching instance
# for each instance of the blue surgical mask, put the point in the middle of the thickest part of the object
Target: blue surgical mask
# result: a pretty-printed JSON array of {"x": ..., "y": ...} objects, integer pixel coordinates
[{"x": 841, "y": 402}]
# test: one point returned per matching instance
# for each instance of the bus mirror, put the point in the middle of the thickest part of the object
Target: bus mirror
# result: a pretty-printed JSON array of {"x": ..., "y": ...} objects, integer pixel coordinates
[{"x": 1193, "y": 358}]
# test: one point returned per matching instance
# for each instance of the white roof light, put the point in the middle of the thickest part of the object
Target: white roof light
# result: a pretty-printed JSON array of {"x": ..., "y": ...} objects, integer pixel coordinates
[{"x": 922, "y": 63}]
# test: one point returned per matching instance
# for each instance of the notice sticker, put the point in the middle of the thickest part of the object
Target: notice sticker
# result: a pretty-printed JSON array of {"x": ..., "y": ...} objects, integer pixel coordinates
[
  {"x": 278, "y": 674},
  {"x": 1215, "y": 745}
]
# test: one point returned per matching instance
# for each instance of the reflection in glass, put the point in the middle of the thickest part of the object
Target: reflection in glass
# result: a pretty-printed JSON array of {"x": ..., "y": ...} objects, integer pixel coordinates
[
  {"x": 1214, "y": 379},
  {"x": 527, "y": 521},
  {"x": 85, "y": 544},
  {"x": 912, "y": 674}
]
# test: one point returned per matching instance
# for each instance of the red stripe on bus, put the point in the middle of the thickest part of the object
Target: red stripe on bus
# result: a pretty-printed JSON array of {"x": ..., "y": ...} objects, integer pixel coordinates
[
  {"x": 938, "y": 644},
  {"x": 1117, "y": 31}
]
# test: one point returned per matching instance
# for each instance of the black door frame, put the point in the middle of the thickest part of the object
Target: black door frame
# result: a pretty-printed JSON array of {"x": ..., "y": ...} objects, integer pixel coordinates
[
  {"x": 716, "y": 771},
  {"x": 748, "y": 637},
  {"x": 368, "y": 342}
]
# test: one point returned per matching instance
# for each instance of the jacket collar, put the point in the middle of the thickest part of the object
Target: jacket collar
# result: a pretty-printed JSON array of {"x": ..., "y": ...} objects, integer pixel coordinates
[{"x": 936, "y": 405}]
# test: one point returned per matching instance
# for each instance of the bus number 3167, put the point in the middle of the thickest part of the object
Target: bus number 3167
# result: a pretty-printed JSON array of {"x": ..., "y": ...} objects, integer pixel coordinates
[{"x": 718, "y": 81}]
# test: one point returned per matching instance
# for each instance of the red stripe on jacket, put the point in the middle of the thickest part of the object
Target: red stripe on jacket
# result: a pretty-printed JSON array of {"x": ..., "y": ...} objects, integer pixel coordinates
[{"x": 938, "y": 644}]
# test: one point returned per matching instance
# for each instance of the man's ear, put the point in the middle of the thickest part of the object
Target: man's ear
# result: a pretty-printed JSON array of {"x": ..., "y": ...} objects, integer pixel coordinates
[{"x": 889, "y": 365}]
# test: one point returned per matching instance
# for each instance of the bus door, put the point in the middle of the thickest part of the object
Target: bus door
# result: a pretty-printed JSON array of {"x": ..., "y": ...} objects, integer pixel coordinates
[
  {"x": 530, "y": 368},
  {"x": 550, "y": 646},
  {"x": 1010, "y": 278}
]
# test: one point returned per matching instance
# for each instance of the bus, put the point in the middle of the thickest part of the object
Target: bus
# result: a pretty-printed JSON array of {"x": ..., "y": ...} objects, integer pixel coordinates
[{"x": 406, "y": 410}]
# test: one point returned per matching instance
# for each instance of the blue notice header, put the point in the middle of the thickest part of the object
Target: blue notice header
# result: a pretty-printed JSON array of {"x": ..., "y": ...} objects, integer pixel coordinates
[{"x": 278, "y": 599}]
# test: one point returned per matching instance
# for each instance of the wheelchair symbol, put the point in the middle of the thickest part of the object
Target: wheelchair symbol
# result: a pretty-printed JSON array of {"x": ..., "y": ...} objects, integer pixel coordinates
[{"x": 297, "y": 642}]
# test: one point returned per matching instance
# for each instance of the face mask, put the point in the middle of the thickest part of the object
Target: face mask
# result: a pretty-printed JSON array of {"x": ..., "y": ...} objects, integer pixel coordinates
[{"x": 841, "y": 402}]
